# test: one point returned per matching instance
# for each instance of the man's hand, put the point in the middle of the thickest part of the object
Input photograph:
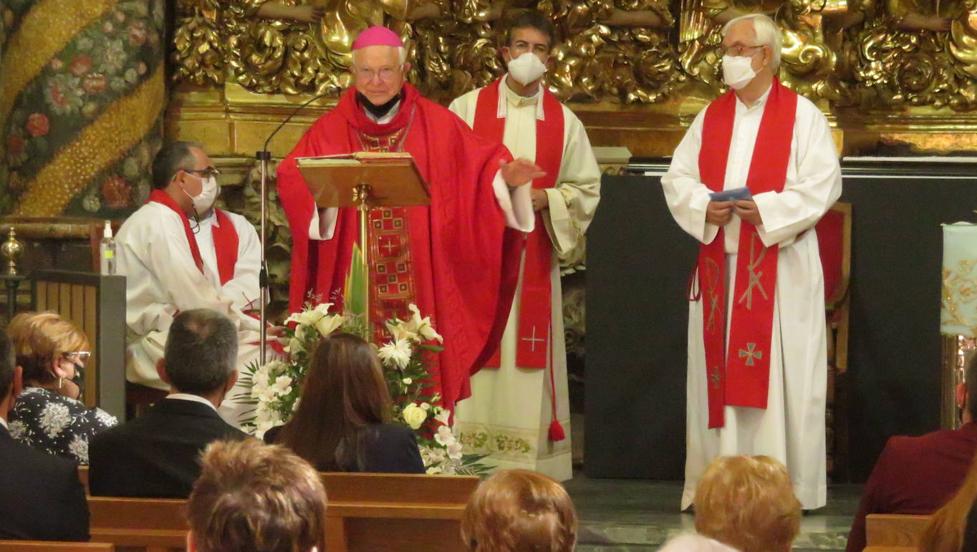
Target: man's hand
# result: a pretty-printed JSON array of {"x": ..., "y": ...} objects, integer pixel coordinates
[
  {"x": 540, "y": 199},
  {"x": 719, "y": 212},
  {"x": 520, "y": 171},
  {"x": 746, "y": 209}
]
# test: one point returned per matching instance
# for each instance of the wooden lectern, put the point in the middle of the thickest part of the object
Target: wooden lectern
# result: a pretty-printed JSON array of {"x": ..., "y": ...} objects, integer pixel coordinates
[{"x": 365, "y": 180}]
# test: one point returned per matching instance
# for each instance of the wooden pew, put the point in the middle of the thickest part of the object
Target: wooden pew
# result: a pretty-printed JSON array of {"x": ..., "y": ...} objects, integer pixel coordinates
[
  {"x": 894, "y": 532},
  {"x": 370, "y": 512},
  {"x": 367, "y": 512},
  {"x": 51, "y": 546},
  {"x": 139, "y": 524}
]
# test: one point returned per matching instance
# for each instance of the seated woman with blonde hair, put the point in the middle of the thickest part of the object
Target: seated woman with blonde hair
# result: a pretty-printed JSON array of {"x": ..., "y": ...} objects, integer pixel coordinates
[
  {"x": 343, "y": 419},
  {"x": 747, "y": 502},
  {"x": 253, "y": 497},
  {"x": 519, "y": 511},
  {"x": 49, "y": 415}
]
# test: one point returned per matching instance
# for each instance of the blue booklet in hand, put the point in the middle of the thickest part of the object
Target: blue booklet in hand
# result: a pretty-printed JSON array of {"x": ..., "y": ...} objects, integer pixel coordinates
[{"x": 731, "y": 195}]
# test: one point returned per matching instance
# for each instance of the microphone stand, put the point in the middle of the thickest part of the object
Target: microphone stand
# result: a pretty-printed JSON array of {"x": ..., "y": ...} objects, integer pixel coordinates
[{"x": 263, "y": 156}]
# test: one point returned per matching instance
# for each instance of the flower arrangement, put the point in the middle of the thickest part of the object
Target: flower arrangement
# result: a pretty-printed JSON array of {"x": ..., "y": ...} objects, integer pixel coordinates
[{"x": 275, "y": 386}]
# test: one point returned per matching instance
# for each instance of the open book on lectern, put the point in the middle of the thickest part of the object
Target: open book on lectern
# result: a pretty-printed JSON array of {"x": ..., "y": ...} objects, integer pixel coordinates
[{"x": 392, "y": 177}]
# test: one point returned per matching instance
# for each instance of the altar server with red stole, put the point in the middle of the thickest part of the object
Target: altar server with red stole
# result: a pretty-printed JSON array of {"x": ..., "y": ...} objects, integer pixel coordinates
[
  {"x": 179, "y": 252},
  {"x": 757, "y": 372},
  {"x": 454, "y": 258},
  {"x": 519, "y": 411}
]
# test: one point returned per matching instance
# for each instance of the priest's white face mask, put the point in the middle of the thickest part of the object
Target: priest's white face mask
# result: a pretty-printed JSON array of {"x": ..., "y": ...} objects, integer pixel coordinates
[
  {"x": 527, "y": 54},
  {"x": 209, "y": 189},
  {"x": 738, "y": 71},
  {"x": 526, "y": 68}
]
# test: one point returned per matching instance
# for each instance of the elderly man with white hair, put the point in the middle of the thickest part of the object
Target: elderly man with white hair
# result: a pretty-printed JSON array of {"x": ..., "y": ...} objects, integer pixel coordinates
[
  {"x": 455, "y": 259},
  {"x": 752, "y": 176}
]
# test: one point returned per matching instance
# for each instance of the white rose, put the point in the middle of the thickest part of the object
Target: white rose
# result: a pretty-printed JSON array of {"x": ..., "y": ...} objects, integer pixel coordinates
[
  {"x": 328, "y": 324},
  {"x": 397, "y": 352},
  {"x": 414, "y": 415}
]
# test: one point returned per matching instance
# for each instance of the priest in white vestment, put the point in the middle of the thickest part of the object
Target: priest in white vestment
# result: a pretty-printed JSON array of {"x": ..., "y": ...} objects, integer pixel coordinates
[
  {"x": 757, "y": 371},
  {"x": 177, "y": 253},
  {"x": 519, "y": 412}
]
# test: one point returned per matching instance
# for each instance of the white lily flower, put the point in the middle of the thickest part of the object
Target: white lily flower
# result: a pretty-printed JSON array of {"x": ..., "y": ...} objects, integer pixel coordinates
[
  {"x": 444, "y": 437},
  {"x": 323, "y": 308},
  {"x": 443, "y": 416},
  {"x": 398, "y": 330},
  {"x": 454, "y": 451},
  {"x": 328, "y": 324}
]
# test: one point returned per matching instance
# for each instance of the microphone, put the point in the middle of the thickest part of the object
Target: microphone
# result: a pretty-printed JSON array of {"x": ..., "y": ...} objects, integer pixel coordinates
[
  {"x": 263, "y": 156},
  {"x": 264, "y": 149}
]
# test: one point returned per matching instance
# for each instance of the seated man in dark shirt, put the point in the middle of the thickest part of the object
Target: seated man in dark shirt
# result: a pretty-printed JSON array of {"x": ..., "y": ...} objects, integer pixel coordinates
[
  {"x": 918, "y": 475},
  {"x": 42, "y": 498},
  {"x": 158, "y": 453}
]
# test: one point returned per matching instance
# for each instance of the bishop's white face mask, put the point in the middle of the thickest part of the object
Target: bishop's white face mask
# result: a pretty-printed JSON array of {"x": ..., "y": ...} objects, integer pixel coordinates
[
  {"x": 203, "y": 201},
  {"x": 737, "y": 71},
  {"x": 526, "y": 68}
]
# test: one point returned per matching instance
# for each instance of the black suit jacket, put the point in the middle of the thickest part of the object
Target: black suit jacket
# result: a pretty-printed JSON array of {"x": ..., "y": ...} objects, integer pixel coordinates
[
  {"x": 389, "y": 448},
  {"x": 41, "y": 496},
  {"x": 157, "y": 454}
]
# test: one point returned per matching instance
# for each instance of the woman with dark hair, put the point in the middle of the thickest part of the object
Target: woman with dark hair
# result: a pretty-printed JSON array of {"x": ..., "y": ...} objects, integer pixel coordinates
[{"x": 343, "y": 418}]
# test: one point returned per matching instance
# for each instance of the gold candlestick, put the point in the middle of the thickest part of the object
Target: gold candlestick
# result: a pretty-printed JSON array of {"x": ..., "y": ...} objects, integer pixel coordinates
[{"x": 11, "y": 250}]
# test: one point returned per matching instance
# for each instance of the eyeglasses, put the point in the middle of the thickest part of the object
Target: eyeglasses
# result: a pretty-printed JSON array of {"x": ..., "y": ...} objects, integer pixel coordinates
[
  {"x": 386, "y": 74},
  {"x": 77, "y": 355},
  {"x": 737, "y": 49},
  {"x": 206, "y": 173}
]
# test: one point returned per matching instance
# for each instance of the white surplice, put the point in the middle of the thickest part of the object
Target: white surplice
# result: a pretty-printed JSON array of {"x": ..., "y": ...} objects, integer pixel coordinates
[
  {"x": 162, "y": 280},
  {"x": 509, "y": 412},
  {"x": 791, "y": 428}
]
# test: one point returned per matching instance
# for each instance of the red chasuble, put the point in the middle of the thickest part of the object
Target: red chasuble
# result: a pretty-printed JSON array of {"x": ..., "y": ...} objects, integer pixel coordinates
[
  {"x": 739, "y": 375},
  {"x": 225, "y": 237},
  {"x": 450, "y": 258},
  {"x": 535, "y": 305}
]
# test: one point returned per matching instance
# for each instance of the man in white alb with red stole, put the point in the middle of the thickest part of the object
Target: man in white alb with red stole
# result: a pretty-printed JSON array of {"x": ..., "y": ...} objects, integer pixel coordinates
[
  {"x": 757, "y": 372},
  {"x": 179, "y": 252},
  {"x": 452, "y": 258},
  {"x": 519, "y": 411}
]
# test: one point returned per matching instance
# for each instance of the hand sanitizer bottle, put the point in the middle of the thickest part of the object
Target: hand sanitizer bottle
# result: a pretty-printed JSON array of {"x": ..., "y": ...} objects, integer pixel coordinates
[{"x": 106, "y": 251}]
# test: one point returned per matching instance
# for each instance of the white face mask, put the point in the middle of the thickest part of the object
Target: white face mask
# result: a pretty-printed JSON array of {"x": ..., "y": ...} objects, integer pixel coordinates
[
  {"x": 737, "y": 71},
  {"x": 526, "y": 68},
  {"x": 205, "y": 199}
]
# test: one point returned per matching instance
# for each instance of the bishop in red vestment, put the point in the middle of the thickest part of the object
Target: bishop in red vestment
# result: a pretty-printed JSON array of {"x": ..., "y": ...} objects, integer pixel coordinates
[{"x": 455, "y": 259}]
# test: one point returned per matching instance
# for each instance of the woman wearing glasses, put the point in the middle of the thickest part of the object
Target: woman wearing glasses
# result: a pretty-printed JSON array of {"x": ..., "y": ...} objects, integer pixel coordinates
[{"x": 49, "y": 415}]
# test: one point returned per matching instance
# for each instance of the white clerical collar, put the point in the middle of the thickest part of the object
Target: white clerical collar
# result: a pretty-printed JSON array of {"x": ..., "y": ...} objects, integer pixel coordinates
[
  {"x": 192, "y": 398},
  {"x": 386, "y": 118},
  {"x": 3, "y": 422},
  {"x": 510, "y": 95}
]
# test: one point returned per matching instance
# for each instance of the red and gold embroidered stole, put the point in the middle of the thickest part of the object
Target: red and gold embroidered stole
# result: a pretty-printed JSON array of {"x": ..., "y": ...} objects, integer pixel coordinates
[
  {"x": 739, "y": 375},
  {"x": 535, "y": 300}
]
